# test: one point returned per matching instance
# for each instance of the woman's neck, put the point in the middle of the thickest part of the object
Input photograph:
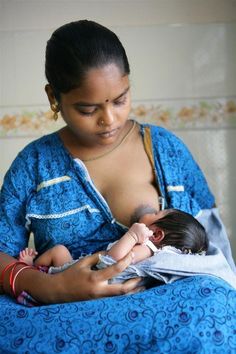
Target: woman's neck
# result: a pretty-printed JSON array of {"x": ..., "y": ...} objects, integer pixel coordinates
[{"x": 86, "y": 152}]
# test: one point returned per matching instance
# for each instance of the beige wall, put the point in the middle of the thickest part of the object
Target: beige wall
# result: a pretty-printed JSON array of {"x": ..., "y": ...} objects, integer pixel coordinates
[{"x": 38, "y": 14}]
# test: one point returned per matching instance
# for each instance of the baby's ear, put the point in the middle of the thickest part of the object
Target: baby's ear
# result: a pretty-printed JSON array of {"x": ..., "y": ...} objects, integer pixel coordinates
[{"x": 158, "y": 235}]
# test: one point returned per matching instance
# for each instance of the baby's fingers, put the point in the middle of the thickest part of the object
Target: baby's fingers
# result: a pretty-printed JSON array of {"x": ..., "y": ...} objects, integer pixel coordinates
[{"x": 149, "y": 233}]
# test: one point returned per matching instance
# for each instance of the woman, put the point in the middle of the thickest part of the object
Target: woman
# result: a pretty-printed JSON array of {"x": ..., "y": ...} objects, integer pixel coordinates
[{"x": 81, "y": 186}]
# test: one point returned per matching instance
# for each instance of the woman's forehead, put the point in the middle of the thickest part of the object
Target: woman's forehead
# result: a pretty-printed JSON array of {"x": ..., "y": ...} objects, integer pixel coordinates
[{"x": 99, "y": 85}]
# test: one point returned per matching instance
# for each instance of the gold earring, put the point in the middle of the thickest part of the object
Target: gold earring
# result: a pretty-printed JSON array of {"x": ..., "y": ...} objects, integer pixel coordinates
[{"x": 55, "y": 109}]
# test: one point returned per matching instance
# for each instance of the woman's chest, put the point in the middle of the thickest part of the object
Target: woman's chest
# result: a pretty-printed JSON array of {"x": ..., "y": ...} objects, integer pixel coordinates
[{"x": 126, "y": 182}]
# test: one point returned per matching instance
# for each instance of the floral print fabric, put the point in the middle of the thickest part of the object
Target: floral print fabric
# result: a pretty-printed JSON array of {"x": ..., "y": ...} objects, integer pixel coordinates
[{"x": 193, "y": 315}]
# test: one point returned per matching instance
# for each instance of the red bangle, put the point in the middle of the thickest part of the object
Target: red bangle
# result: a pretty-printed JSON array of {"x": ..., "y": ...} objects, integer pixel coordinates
[
  {"x": 13, "y": 280},
  {"x": 11, "y": 277},
  {"x": 4, "y": 271}
]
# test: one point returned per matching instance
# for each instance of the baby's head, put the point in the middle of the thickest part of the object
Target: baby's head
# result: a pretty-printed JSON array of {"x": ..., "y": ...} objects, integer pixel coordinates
[{"x": 172, "y": 227}]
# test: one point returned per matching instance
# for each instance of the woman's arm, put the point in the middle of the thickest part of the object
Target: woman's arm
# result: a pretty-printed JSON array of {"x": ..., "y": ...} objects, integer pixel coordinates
[{"x": 79, "y": 282}]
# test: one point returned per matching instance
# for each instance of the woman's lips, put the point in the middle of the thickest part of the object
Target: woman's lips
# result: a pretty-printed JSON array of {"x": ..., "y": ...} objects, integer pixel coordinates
[{"x": 109, "y": 133}]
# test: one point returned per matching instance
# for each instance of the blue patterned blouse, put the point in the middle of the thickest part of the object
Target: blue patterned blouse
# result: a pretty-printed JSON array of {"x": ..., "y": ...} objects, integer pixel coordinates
[{"x": 50, "y": 194}]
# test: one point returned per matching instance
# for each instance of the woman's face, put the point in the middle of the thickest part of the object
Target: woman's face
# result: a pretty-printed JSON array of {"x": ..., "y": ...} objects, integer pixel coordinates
[{"x": 97, "y": 111}]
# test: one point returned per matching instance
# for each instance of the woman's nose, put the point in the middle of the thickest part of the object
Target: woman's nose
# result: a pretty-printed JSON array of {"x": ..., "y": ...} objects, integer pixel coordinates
[{"x": 107, "y": 117}]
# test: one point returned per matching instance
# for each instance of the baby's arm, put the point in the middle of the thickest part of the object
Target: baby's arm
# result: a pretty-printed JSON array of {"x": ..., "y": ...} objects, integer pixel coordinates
[
  {"x": 141, "y": 252},
  {"x": 136, "y": 235}
]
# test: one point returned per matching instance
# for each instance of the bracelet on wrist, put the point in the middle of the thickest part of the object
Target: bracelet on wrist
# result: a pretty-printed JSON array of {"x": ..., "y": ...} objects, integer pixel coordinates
[
  {"x": 13, "y": 274},
  {"x": 4, "y": 272},
  {"x": 23, "y": 298},
  {"x": 13, "y": 278}
]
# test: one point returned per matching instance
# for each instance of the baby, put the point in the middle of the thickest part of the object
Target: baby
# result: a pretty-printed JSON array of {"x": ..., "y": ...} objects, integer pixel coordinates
[{"x": 155, "y": 230}]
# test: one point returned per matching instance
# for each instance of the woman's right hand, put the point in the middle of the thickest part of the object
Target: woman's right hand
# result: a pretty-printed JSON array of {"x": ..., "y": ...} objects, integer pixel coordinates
[{"x": 81, "y": 282}]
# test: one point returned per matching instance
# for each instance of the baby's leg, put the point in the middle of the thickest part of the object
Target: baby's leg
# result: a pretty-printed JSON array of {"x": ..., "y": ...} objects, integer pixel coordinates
[{"x": 55, "y": 256}]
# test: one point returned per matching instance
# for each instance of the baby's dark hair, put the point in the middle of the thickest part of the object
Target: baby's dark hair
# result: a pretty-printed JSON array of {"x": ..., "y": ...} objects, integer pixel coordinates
[
  {"x": 77, "y": 47},
  {"x": 182, "y": 231}
]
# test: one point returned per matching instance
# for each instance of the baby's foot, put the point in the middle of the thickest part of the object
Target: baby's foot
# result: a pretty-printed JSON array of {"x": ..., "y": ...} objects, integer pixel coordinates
[{"x": 28, "y": 255}]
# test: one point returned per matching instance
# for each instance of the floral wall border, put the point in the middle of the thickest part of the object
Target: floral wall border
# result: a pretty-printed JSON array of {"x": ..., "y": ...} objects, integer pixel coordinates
[{"x": 179, "y": 114}]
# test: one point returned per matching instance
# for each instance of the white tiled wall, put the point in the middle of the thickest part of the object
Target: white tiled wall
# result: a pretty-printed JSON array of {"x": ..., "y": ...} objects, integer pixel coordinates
[
  {"x": 181, "y": 61},
  {"x": 215, "y": 150},
  {"x": 180, "y": 51},
  {"x": 167, "y": 62}
]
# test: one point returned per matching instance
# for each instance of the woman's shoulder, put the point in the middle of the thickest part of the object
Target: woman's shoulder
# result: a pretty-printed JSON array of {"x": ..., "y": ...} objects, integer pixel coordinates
[
  {"x": 35, "y": 155},
  {"x": 39, "y": 158},
  {"x": 45, "y": 143},
  {"x": 156, "y": 129},
  {"x": 160, "y": 134}
]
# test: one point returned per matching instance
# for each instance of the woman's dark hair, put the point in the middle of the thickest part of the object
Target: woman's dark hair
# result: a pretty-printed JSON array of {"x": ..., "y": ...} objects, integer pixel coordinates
[
  {"x": 77, "y": 47},
  {"x": 182, "y": 231}
]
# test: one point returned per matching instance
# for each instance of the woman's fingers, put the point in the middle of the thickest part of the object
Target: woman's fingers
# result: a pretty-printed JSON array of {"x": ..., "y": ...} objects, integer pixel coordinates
[
  {"x": 131, "y": 286},
  {"x": 94, "y": 284},
  {"x": 90, "y": 260},
  {"x": 103, "y": 275},
  {"x": 113, "y": 270},
  {"x": 110, "y": 271}
]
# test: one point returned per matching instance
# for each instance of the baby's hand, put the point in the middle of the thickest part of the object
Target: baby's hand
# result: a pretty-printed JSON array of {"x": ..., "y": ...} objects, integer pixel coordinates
[{"x": 140, "y": 232}]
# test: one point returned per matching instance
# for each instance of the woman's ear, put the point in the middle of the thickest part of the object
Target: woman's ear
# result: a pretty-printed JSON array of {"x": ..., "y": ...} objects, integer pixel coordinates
[
  {"x": 158, "y": 235},
  {"x": 50, "y": 94}
]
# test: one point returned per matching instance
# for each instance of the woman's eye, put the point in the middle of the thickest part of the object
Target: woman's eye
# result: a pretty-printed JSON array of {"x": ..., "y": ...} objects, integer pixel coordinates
[
  {"x": 85, "y": 113},
  {"x": 121, "y": 101}
]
